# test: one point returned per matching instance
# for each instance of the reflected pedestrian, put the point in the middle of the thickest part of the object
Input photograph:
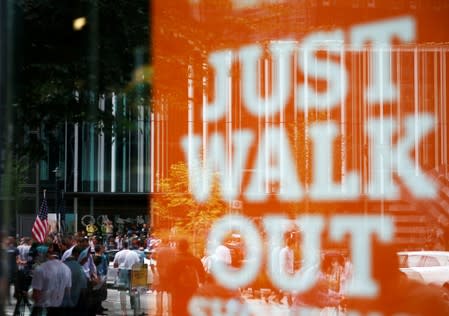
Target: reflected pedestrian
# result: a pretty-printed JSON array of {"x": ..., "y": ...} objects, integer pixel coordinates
[
  {"x": 164, "y": 258},
  {"x": 100, "y": 291},
  {"x": 151, "y": 270},
  {"x": 287, "y": 266},
  {"x": 23, "y": 281},
  {"x": 71, "y": 242},
  {"x": 124, "y": 261},
  {"x": 90, "y": 271},
  {"x": 186, "y": 274},
  {"x": 11, "y": 254},
  {"x": 75, "y": 301},
  {"x": 51, "y": 281}
]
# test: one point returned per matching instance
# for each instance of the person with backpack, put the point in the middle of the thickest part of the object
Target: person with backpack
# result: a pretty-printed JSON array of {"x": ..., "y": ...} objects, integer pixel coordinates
[
  {"x": 187, "y": 273},
  {"x": 164, "y": 255}
]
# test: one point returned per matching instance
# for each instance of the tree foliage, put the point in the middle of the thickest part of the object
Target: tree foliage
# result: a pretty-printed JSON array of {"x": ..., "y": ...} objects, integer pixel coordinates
[
  {"x": 175, "y": 208},
  {"x": 56, "y": 61}
]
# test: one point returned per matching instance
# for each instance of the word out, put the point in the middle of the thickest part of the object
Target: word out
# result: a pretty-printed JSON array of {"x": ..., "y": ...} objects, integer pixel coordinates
[{"x": 360, "y": 229}]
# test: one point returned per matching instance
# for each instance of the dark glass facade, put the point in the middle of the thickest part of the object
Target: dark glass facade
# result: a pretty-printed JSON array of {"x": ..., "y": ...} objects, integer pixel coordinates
[{"x": 77, "y": 94}]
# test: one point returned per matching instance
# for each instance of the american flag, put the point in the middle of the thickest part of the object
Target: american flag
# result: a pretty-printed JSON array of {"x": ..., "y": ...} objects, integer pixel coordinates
[{"x": 40, "y": 227}]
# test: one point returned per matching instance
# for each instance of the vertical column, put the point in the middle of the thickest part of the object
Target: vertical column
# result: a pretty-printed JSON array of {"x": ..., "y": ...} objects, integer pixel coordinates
[
  {"x": 75, "y": 172},
  {"x": 124, "y": 150},
  {"x": 343, "y": 123},
  {"x": 443, "y": 98},
  {"x": 91, "y": 164},
  {"x": 113, "y": 144},
  {"x": 152, "y": 170},
  {"x": 140, "y": 148},
  {"x": 416, "y": 101},
  {"x": 147, "y": 148},
  {"x": 100, "y": 149},
  {"x": 191, "y": 105}
]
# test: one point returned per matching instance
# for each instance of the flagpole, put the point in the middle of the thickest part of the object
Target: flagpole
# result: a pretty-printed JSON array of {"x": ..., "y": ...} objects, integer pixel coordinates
[
  {"x": 62, "y": 222},
  {"x": 58, "y": 222},
  {"x": 44, "y": 191}
]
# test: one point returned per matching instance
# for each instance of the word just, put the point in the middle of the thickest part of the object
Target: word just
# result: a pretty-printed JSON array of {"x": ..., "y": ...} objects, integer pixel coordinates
[{"x": 380, "y": 86}]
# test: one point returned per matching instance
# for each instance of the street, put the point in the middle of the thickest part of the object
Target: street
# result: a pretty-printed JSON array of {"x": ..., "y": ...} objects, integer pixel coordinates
[{"x": 148, "y": 306}]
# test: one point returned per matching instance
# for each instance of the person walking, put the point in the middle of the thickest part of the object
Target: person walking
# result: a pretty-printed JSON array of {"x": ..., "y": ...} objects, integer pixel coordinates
[
  {"x": 207, "y": 261},
  {"x": 11, "y": 254},
  {"x": 124, "y": 261},
  {"x": 151, "y": 270},
  {"x": 186, "y": 274},
  {"x": 223, "y": 253},
  {"x": 119, "y": 241},
  {"x": 3, "y": 270},
  {"x": 74, "y": 302},
  {"x": 90, "y": 271},
  {"x": 51, "y": 281},
  {"x": 70, "y": 243},
  {"x": 23, "y": 280},
  {"x": 164, "y": 256},
  {"x": 100, "y": 291},
  {"x": 286, "y": 264}
]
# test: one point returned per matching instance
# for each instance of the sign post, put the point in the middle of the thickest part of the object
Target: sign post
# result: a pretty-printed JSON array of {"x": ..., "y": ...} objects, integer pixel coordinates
[{"x": 139, "y": 274}]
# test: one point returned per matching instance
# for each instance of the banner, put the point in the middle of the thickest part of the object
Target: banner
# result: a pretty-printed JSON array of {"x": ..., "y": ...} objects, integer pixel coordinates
[
  {"x": 290, "y": 103},
  {"x": 330, "y": 116}
]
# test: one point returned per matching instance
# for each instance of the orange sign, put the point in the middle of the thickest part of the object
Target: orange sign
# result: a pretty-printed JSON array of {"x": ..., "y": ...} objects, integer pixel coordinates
[
  {"x": 331, "y": 115},
  {"x": 322, "y": 106}
]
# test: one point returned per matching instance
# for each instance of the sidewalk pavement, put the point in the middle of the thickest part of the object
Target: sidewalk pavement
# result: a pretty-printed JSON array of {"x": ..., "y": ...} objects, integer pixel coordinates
[
  {"x": 258, "y": 307},
  {"x": 147, "y": 304}
]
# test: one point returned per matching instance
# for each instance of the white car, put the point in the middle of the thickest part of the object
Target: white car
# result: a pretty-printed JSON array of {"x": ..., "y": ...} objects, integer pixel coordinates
[{"x": 430, "y": 267}]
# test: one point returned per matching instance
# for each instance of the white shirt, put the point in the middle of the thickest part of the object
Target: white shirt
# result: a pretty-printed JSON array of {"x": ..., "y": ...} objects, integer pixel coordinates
[
  {"x": 89, "y": 267},
  {"x": 52, "y": 278},
  {"x": 67, "y": 253},
  {"x": 149, "y": 263},
  {"x": 118, "y": 242},
  {"x": 286, "y": 260},
  {"x": 207, "y": 263},
  {"x": 23, "y": 254},
  {"x": 126, "y": 258},
  {"x": 223, "y": 254}
]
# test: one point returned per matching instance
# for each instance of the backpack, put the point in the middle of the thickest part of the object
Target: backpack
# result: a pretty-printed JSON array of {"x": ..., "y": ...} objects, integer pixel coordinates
[{"x": 188, "y": 278}]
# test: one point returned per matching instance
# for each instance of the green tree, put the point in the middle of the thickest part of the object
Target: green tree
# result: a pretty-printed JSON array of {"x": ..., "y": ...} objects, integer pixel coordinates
[
  {"x": 55, "y": 61},
  {"x": 176, "y": 209}
]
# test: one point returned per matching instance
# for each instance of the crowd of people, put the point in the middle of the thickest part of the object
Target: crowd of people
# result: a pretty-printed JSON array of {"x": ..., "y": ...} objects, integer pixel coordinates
[{"x": 67, "y": 276}]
